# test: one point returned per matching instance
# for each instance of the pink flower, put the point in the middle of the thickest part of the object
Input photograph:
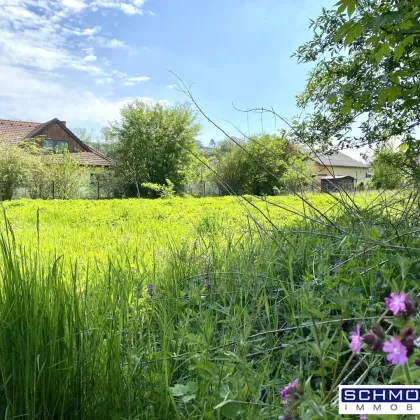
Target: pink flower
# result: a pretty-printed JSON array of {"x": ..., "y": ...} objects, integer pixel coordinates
[
  {"x": 397, "y": 352},
  {"x": 396, "y": 303},
  {"x": 287, "y": 391},
  {"x": 356, "y": 340}
]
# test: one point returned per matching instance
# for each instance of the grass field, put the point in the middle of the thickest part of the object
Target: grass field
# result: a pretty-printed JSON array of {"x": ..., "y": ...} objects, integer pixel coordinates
[{"x": 190, "y": 308}]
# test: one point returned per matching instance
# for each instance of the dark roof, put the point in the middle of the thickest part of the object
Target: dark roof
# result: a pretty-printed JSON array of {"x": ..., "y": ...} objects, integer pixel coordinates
[
  {"x": 14, "y": 132},
  {"x": 338, "y": 159}
]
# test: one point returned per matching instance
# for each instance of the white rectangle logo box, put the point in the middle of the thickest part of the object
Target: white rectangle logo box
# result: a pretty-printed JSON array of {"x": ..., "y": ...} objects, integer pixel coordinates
[{"x": 379, "y": 399}]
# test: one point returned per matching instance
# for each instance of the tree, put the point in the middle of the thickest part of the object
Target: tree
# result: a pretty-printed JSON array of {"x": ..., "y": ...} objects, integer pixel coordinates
[
  {"x": 261, "y": 165},
  {"x": 212, "y": 143},
  {"x": 366, "y": 76},
  {"x": 65, "y": 175},
  {"x": 387, "y": 172},
  {"x": 155, "y": 143},
  {"x": 15, "y": 166}
]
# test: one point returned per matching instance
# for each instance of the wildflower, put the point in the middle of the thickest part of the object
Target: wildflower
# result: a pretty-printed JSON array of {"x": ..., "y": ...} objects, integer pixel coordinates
[
  {"x": 396, "y": 303},
  {"x": 288, "y": 391},
  {"x": 397, "y": 352},
  {"x": 195, "y": 244},
  {"x": 374, "y": 338},
  {"x": 409, "y": 343},
  {"x": 356, "y": 340},
  {"x": 378, "y": 331},
  {"x": 411, "y": 306},
  {"x": 206, "y": 279},
  {"x": 363, "y": 417},
  {"x": 286, "y": 417},
  {"x": 151, "y": 290},
  {"x": 408, "y": 331}
]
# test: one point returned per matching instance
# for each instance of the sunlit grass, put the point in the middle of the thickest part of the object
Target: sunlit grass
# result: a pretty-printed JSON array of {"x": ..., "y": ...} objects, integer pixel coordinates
[{"x": 85, "y": 335}]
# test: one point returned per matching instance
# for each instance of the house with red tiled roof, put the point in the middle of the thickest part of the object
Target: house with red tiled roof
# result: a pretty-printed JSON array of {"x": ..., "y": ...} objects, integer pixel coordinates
[{"x": 52, "y": 136}]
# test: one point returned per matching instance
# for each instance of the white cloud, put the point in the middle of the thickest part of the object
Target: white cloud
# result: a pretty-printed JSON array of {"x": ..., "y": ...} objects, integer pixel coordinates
[
  {"x": 170, "y": 86},
  {"x": 75, "y": 5},
  {"x": 104, "y": 81},
  {"x": 130, "y": 9},
  {"x": 44, "y": 44},
  {"x": 151, "y": 13},
  {"x": 112, "y": 43},
  {"x": 90, "y": 58},
  {"x": 22, "y": 95},
  {"x": 131, "y": 81}
]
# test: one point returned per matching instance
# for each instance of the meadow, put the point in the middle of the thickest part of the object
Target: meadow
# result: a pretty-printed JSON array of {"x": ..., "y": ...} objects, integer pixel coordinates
[{"x": 194, "y": 308}]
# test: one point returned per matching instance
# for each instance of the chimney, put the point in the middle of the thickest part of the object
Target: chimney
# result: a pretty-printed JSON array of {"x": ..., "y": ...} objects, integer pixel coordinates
[{"x": 64, "y": 123}]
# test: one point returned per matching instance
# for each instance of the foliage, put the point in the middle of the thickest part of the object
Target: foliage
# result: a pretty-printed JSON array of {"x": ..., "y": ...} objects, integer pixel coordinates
[
  {"x": 366, "y": 75},
  {"x": 15, "y": 166},
  {"x": 387, "y": 172},
  {"x": 155, "y": 143},
  {"x": 65, "y": 174},
  {"x": 164, "y": 191},
  {"x": 261, "y": 165}
]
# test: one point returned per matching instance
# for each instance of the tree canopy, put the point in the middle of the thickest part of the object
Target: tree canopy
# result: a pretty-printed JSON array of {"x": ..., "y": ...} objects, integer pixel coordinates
[
  {"x": 155, "y": 143},
  {"x": 365, "y": 87},
  {"x": 260, "y": 166}
]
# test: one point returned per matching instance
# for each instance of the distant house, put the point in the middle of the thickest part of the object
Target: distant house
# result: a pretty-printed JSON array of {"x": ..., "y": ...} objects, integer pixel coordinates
[
  {"x": 338, "y": 165},
  {"x": 52, "y": 135}
]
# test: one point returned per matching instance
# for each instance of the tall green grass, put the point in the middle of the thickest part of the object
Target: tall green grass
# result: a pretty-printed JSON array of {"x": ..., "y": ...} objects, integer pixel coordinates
[{"x": 233, "y": 315}]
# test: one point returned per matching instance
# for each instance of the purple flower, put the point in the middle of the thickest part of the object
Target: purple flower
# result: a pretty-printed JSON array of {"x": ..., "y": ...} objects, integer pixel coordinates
[
  {"x": 397, "y": 352},
  {"x": 151, "y": 290},
  {"x": 363, "y": 417},
  {"x": 356, "y": 340},
  {"x": 396, "y": 303},
  {"x": 288, "y": 390}
]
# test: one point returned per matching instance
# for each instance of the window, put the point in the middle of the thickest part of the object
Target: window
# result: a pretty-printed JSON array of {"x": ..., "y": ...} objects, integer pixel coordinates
[
  {"x": 49, "y": 144},
  {"x": 62, "y": 145}
]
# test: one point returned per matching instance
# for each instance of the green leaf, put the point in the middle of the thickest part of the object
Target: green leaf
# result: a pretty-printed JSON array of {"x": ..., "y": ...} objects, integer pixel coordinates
[
  {"x": 351, "y": 7},
  {"x": 332, "y": 99},
  {"x": 316, "y": 312},
  {"x": 399, "y": 51},
  {"x": 342, "y": 5},
  {"x": 398, "y": 375},
  {"x": 179, "y": 390},
  {"x": 354, "y": 32},
  {"x": 385, "y": 49},
  {"x": 229, "y": 408}
]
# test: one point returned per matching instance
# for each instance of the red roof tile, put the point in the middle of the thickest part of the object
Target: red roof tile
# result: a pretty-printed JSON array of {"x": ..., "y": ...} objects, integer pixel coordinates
[{"x": 13, "y": 132}]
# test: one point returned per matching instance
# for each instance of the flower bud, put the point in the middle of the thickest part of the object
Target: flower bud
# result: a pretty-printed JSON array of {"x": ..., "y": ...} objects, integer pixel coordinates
[
  {"x": 408, "y": 332},
  {"x": 369, "y": 339},
  {"x": 377, "y": 346},
  {"x": 410, "y": 306},
  {"x": 377, "y": 330},
  {"x": 417, "y": 362},
  {"x": 409, "y": 342}
]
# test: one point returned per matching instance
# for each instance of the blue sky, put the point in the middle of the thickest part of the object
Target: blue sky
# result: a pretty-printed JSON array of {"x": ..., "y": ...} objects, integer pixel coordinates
[{"x": 82, "y": 60}]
